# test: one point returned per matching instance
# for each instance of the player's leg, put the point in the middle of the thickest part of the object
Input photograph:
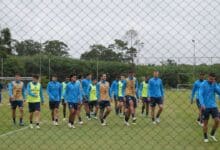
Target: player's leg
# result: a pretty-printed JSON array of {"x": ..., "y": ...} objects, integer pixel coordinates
[
  {"x": 37, "y": 114},
  {"x": 74, "y": 113},
  {"x": 31, "y": 113},
  {"x": 78, "y": 114},
  {"x": 199, "y": 119},
  {"x": 108, "y": 110},
  {"x": 147, "y": 104},
  {"x": 71, "y": 112},
  {"x": 116, "y": 105},
  {"x": 86, "y": 107},
  {"x": 132, "y": 110},
  {"x": 13, "y": 108},
  {"x": 21, "y": 110},
  {"x": 127, "y": 111},
  {"x": 143, "y": 106},
  {"x": 56, "y": 112},
  {"x": 96, "y": 109},
  {"x": 101, "y": 112},
  {"x": 215, "y": 117},
  {"x": 153, "y": 104},
  {"x": 205, "y": 116},
  {"x": 160, "y": 105},
  {"x": 64, "y": 109},
  {"x": 51, "y": 106}
]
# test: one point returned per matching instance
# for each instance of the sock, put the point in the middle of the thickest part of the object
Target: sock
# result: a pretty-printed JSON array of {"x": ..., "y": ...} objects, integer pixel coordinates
[
  {"x": 146, "y": 113},
  {"x": 153, "y": 119},
  {"x": 126, "y": 118},
  {"x": 95, "y": 114},
  {"x": 102, "y": 121},
  {"x": 21, "y": 120},
  {"x": 132, "y": 115},
  {"x": 88, "y": 114},
  {"x": 14, "y": 120},
  {"x": 158, "y": 115},
  {"x": 198, "y": 119},
  {"x": 56, "y": 120},
  {"x": 205, "y": 136},
  {"x": 31, "y": 122},
  {"x": 142, "y": 111},
  {"x": 52, "y": 118},
  {"x": 213, "y": 132},
  {"x": 80, "y": 119},
  {"x": 37, "y": 124}
]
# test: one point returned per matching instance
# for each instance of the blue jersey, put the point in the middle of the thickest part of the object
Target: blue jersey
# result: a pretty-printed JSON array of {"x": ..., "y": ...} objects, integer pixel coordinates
[
  {"x": 114, "y": 88},
  {"x": 73, "y": 92},
  {"x": 195, "y": 89},
  {"x": 155, "y": 88},
  {"x": 54, "y": 91},
  {"x": 207, "y": 94},
  {"x": 85, "y": 86}
]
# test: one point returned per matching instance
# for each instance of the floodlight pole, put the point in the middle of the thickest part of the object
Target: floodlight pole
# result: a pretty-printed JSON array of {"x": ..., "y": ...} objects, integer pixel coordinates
[{"x": 194, "y": 57}]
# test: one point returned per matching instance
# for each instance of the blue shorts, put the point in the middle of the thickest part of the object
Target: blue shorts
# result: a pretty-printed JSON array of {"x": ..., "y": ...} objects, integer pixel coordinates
[
  {"x": 54, "y": 104},
  {"x": 210, "y": 111},
  {"x": 73, "y": 105},
  {"x": 198, "y": 103},
  {"x": 116, "y": 98},
  {"x": 156, "y": 101},
  {"x": 34, "y": 107},
  {"x": 15, "y": 104},
  {"x": 128, "y": 99},
  {"x": 121, "y": 99},
  {"x": 103, "y": 104}
]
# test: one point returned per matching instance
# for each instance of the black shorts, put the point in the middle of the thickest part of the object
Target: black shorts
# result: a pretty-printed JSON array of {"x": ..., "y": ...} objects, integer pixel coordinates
[
  {"x": 73, "y": 105},
  {"x": 145, "y": 100},
  {"x": 198, "y": 103},
  {"x": 121, "y": 99},
  {"x": 54, "y": 104},
  {"x": 63, "y": 101},
  {"x": 34, "y": 107},
  {"x": 103, "y": 104},
  {"x": 128, "y": 99},
  {"x": 210, "y": 111},
  {"x": 15, "y": 104},
  {"x": 85, "y": 100},
  {"x": 93, "y": 104},
  {"x": 156, "y": 101},
  {"x": 116, "y": 98}
]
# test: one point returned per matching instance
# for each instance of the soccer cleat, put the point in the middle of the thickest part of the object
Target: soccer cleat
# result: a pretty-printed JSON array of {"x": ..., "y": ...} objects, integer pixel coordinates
[
  {"x": 73, "y": 127},
  {"x": 126, "y": 123},
  {"x": 38, "y": 127},
  {"x": 157, "y": 120},
  {"x": 56, "y": 124},
  {"x": 95, "y": 117},
  {"x": 103, "y": 124},
  {"x": 80, "y": 122},
  {"x": 213, "y": 138},
  {"x": 134, "y": 120},
  {"x": 206, "y": 140},
  {"x": 21, "y": 124},
  {"x": 154, "y": 122},
  {"x": 64, "y": 119},
  {"x": 31, "y": 126},
  {"x": 201, "y": 124},
  {"x": 89, "y": 118}
]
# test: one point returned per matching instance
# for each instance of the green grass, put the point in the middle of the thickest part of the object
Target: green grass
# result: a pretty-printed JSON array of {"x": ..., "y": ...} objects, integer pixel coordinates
[{"x": 177, "y": 130}]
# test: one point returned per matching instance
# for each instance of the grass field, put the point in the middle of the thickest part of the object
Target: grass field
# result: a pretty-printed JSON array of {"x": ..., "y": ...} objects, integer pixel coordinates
[{"x": 178, "y": 130}]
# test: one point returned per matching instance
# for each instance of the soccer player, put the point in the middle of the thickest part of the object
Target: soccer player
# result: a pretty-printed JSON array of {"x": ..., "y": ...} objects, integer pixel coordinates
[
  {"x": 131, "y": 90},
  {"x": 207, "y": 93},
  {"x": 114, "y": 92},
  {"x": 195, "y": 90},
  {"x": 85, "y": 86},
  {"x": 121, "y": 95},
  {"x": 63, "y": 101},
  {"x": 144, "y": 95},
  {"x": 34, "y": 98},
  {"x": 17, "y": 97},
  {"x": 156, "y": 94},
  {"x": 54, "y": 91},
  {"x": 73, "y": 96},
  {"x": 104, "y": 96},
  {"x": 93, "y": 100}
]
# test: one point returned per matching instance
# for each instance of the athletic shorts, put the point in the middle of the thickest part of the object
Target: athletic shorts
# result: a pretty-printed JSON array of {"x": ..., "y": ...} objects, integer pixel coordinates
[
  {"x": 116, "y": 98},
  {"x": 128, "y": 99},
  {"x": 210, "y": 111},
  {"x": 121, "y": 99},
  {"x": 145, "y": 100},
  {"x": 85, "y": 100},
  {"x": 63, "y": 101},
  {"x": 103, "y": 104},
  {"x": 198, "y": 103},
  {"x": 73, "y": 105},
  {"x": 156, "y": 101},
  {"x": 93, "y": 103},
  {"x": 54, "y": 104},
  {"x": 34, "y": 107},
  {"x": 15, "y": 104}
]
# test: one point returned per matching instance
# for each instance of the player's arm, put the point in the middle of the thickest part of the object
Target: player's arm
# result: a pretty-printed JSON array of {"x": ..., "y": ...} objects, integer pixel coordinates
[
  {"x": 201, "y": 97},
  {"x": 79, "y": 94},
  {"x": 140, "y": 90},
  {"x": 65, "y": 94},
  {"x": 137, "y": 89},
  {"x": 41, "y": 94},
  {"x": 10, "y": 90},
  {"x": 49, "y": 91},
  {"x": 60, "y": 92},
  {"x": 98, "y": 91},
  {"x": 149, "y": 88}
]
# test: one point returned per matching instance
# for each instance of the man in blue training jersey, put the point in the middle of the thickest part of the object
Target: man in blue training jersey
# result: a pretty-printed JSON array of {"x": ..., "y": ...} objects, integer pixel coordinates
[
  {"x": 54, "y": 91},
  {"x": 156, "y": 94},
  {"x": 207, "y": 94},
  {"x": 195, "y": 91},
  {"x": 34, "y": 98},
  {"x": 17, "y": 97},
  {"x": 143, "y": 90},
  {"x": 85, "y": 84},
  {"x": 131, "y": 94},
  {"x": 73, "y": 96},
  {"x": 64, "y": 83},
  {"x": 114, "y": 92}
]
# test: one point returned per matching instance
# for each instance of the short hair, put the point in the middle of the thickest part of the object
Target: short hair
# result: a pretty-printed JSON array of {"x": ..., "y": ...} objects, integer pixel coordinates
[
  {"x": 88, "y": 74},
  {"x": 54, "y": 75},
  {"x": 212, "y": 75},
  {"x": 94, "y": 78},
  {"x": 17, "y": 74},
  {"x": 72, "y": 75},
  {"x": 156, "y": 71},
  {"x": 35, "y": 76},
  {"x": 201, "y": 73}
]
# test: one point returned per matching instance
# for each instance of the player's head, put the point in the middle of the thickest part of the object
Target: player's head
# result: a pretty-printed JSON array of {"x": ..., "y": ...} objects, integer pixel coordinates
[
  {"x": 202, "y": 76},
  {"x": 131, "y": 73},
  {"x": 211, "y": 77},
  {"x": 73, "y": 77},
  {"x": 67, "y": 79},
  {"x": 122, "y": 77},
  {"x": 104, "y": 76},
  {"x": 35, "y": 78},
  {"x": 156, "y": 73},
  {"x": 94, "y": 80},
  {"x": 54, "y": 77},
  {"x": 146, "y": 78},
  {"x": 89, "y": 76},
  {"x": 17, "y": 77}
]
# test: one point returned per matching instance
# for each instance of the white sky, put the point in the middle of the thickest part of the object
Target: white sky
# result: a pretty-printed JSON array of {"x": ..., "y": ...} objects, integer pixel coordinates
[{"x": 166, "y": 27}]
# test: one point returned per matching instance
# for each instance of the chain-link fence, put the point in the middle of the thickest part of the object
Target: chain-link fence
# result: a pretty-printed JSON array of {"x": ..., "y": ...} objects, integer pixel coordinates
[{"x": 179, "y": 38}]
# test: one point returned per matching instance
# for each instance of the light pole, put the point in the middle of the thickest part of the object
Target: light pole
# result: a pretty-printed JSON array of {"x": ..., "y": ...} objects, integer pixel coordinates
[{"x": 194, "y": 56}]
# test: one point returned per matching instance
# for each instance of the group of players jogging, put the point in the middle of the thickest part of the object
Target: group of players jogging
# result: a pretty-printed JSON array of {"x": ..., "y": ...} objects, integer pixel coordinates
[{"x": 96, "y": 97}]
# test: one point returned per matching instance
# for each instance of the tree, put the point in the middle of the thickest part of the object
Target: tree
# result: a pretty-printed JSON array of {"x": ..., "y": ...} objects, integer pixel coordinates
[
  {"x": 56, "y": 47},
  {"x": 169, "y": 62},
  {"x": 28, "y": 48},
  {"x": 5, "y": 41}
]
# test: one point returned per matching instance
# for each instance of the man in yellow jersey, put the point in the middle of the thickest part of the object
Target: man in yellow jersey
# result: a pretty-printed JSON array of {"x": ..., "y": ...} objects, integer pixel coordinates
[
  {"x": 64, "y": 83},
  {"x": 104, "y": 99},
  {"x": 93, "y": 100},
  {"x": 144, "y": 95},
  {"x": 34, "y": 99},
  {"x": 17, "y": 97},
  {"x": 131, "y": 90}
]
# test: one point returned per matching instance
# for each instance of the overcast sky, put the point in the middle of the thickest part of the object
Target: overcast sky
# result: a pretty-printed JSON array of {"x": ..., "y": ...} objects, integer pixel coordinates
[{"x": 166, "y": 27}]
